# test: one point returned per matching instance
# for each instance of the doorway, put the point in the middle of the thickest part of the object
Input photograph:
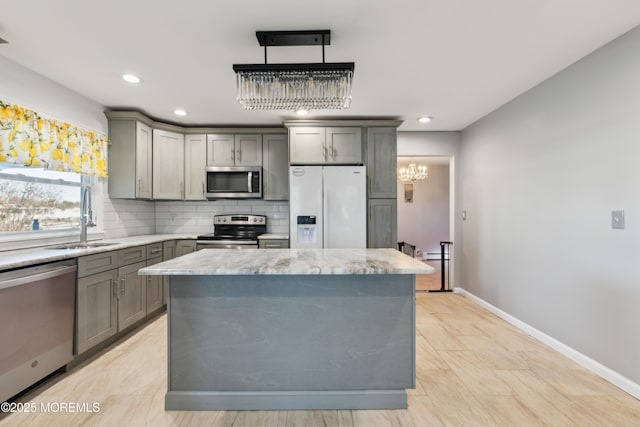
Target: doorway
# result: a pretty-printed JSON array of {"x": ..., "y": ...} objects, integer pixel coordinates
[{"x": 424, "y": 216}]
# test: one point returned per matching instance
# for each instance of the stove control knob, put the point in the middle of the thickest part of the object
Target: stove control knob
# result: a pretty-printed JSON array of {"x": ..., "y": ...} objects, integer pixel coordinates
[
  {"x": 255, "y": 219},
  {"x": 261, "y": 219}
]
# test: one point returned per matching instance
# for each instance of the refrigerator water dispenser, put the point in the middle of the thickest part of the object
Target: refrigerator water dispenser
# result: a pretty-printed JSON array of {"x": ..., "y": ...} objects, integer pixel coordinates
[{"x": 307, "y": 229}]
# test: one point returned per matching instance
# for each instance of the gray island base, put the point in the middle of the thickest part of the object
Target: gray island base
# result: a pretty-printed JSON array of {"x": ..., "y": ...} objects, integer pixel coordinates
[{"x": 290, "y": 329}]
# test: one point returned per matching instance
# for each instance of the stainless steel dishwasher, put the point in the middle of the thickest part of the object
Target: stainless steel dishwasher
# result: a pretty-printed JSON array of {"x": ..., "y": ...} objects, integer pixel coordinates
[{"x": 37, "y": 306}]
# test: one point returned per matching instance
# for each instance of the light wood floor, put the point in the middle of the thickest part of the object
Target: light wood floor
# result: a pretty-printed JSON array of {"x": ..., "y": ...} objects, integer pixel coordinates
[
  {"x": 428, "y": 282},
  {"x": 473, "y": 369}
]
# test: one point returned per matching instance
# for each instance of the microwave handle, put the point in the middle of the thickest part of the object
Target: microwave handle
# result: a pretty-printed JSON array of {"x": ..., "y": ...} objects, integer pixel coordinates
[{"x": 249, "y": 181}]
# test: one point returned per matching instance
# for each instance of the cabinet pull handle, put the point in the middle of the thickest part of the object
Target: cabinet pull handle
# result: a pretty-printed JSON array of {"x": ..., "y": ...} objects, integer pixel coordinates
[
  {"x": 139, "y": 186},
  {"x": 240, "y": 155},
  {"x": 233, "y": 154},
  {"x": 334, "y": 152},
  {"x": 324, "y": 152},
  {"x": 122, "y": 287},
  {"x": 203, "y": 188},
  {"x": 115, "y": 289},
  {"x": 155, "y": 251}
]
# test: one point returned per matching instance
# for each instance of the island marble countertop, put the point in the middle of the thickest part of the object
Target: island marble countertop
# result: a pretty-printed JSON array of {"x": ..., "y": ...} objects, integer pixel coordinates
[
  {"x": 27, "y": 257},
  {"x": 290, "y": 262}
]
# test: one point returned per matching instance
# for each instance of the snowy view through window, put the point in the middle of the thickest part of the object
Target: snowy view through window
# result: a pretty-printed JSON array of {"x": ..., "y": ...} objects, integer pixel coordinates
[{"x": 34, "y": 199}]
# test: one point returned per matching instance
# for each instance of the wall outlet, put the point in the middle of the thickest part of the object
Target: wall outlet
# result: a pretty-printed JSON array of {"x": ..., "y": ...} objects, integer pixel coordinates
[
  {"x": 464, "y": 215},
  {"x": 617, "y": 220}
]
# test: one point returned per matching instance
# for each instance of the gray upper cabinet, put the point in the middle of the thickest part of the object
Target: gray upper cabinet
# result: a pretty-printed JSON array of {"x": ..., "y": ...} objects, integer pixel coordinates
[
  {"x": 195, "y": 161},
  {"x": 325, "y": 145},
  {"x": 130, "y": 159},
  {"x": 381, "y": 148},
  {"x": 221, "y": 150},
  {"x": 344, "y": 145},
  {"x": 168, "y": 165},
  {"x": 306, "y": 145},
  {"x": 234, "y": 150},
  {"x": 275, "y": 170}
]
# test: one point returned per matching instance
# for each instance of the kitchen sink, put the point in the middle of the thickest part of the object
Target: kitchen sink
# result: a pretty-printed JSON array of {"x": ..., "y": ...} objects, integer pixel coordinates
[{"x": 82, "y": 245}]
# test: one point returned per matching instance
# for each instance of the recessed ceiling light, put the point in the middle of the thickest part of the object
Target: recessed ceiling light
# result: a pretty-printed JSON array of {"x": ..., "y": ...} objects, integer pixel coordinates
[
  {"x": 131, "y": 78},
  {"x": 425, "y": 119},
  {"x": 302, "y": 112},
  {"x": 180, "y": 112}
]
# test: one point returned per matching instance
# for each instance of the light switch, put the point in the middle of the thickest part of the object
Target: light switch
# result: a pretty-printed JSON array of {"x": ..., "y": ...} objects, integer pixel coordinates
[
  {"x": 617, "y": 220},
  {"x": 464, "y": 215}
]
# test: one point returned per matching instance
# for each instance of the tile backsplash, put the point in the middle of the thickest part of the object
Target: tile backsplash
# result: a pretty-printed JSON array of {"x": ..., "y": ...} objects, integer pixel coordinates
[
  {"x": 197, "y": 217},
  {"x": 124, "y": 218}
]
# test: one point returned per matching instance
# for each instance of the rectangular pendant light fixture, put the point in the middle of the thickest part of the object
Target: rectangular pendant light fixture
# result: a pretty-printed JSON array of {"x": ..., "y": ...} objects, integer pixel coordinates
[{"x": 306, "y": 86}]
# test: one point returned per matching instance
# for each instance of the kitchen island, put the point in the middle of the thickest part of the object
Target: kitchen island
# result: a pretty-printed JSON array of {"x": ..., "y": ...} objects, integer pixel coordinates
[{"x": 290, "y": 328}]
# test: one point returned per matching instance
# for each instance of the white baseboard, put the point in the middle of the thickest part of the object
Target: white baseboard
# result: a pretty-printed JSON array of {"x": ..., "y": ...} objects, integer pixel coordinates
[{"x": 597, "y": 368}]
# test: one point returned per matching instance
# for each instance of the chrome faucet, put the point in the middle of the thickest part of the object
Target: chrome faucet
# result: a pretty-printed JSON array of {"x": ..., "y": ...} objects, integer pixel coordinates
[{"x": 86, "y": 214}]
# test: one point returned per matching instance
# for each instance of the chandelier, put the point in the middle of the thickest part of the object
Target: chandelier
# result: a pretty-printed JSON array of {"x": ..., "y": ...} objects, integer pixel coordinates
[
  {"x": 413, "y": 173},
  {"x": 294, "y": 86}
]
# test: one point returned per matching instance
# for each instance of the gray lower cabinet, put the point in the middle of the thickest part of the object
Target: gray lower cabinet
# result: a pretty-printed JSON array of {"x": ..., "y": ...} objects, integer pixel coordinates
[
  {"x": 382, "y": 224},
  {"x": 132, "y": 299},
  {"x": 96, "y": 309},
  {"x": 155, "y": 290},
  {"x": 168, "y": 252},
  {"x": 184, "y": 247},
  {"x": 132, "y": 255},
  {"x": 273, "y": 243}
]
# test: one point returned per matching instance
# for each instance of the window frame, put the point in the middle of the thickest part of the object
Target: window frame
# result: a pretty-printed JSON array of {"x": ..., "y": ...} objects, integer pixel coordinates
[{"x": 15, "y": 240}]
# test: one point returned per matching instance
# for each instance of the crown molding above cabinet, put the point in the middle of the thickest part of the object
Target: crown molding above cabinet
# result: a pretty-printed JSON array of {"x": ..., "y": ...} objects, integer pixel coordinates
[{"x": 191, "y": 130}]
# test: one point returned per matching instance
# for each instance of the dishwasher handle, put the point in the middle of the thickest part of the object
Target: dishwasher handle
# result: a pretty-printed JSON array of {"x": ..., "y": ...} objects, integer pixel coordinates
[{"x": 30, "y": 278}]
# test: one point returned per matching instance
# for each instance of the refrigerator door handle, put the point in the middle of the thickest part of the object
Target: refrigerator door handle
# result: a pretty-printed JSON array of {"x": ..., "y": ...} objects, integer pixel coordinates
[{"x": 325, "y": 218}]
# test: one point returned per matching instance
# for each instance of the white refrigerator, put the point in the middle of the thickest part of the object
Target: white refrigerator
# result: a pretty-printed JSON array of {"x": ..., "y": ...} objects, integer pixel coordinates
[{"x": 328, "y": 206}]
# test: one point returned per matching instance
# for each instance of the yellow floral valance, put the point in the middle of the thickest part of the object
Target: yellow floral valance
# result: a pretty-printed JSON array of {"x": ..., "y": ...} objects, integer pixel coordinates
[{"x": 30, "y": 140}]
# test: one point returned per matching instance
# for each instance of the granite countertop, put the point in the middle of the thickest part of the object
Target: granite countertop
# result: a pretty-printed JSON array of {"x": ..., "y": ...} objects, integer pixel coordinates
[
  {"x": 271, "y": 236},
  {"x": 290, "y": 262},
  {"x": 27, "y": 257}
]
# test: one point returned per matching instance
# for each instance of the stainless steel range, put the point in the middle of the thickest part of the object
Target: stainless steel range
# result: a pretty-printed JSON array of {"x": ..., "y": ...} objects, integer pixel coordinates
[{"x": 234, "y": 232}]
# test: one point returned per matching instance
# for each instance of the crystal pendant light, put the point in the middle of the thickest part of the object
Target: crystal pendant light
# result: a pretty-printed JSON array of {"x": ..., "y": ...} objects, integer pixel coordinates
[
  {"x": 294, "y": 86},
  {"x": 413, "y": 173}
]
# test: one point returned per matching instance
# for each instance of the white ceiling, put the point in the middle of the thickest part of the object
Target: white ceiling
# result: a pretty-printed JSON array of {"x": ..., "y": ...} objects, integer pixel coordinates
[{"x": 455, "y": 60}]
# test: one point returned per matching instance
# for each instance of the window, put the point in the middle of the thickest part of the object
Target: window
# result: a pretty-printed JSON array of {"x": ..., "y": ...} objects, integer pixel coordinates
[{"x": 33, "y": 199}]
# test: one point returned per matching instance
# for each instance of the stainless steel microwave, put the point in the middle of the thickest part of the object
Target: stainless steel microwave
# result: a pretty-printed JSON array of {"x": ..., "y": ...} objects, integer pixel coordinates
[{"x": 233, "y": 182}]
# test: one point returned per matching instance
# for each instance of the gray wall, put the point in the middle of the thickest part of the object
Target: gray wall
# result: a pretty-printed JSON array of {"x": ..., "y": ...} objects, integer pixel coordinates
[
  {"x": 28, "y": 89},
  {"x": 540, "y": 177},
  {"x": 425, "y": 222}
]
